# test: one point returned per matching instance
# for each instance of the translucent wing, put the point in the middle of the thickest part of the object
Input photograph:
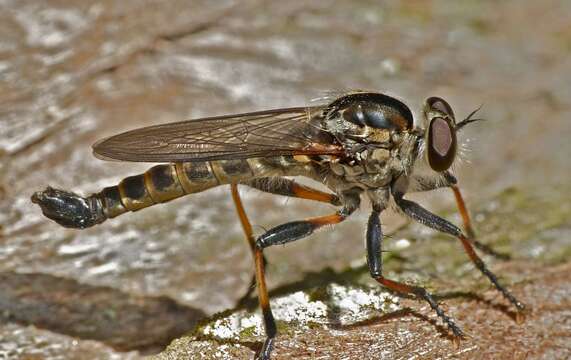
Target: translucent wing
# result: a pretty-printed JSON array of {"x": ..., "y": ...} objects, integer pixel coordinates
[{"x": 291, "y": 131}]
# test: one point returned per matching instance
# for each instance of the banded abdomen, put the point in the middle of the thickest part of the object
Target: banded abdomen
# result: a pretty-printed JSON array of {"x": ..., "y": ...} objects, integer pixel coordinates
[{"x": 159, "y": 184}]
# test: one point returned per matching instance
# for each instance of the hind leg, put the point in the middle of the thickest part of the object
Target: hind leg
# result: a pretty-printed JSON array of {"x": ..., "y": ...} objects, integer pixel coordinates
[
  {"x": 280, "y": 186},
  {"x": 278, "y": 235}
]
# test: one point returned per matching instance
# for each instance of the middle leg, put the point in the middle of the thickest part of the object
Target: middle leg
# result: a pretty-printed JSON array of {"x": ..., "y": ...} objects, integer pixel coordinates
[{"x": 374, "y": 239}]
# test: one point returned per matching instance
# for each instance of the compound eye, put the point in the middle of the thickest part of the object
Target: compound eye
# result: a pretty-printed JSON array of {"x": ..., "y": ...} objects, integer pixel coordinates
[
  {"x": 439, "y": 104},
  {"x": 441, "y": 144}
]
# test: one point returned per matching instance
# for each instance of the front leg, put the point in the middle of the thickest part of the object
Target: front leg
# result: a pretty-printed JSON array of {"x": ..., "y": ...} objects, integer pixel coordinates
[
  {"x": 375, "y": 261},
  {"x": 420, "y": 184},
  {"x": 425, "y": 217}
]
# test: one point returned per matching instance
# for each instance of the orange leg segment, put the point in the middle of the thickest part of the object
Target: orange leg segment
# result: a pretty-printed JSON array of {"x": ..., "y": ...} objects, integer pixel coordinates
[{"x": 263, "y": 297}]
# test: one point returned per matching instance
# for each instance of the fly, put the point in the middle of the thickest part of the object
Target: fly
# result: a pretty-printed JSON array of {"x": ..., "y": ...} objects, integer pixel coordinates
[{"x": 360, "y": 144}]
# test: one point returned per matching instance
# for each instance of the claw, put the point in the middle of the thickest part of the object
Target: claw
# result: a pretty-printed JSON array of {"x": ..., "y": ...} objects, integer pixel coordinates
[
  {"x": 266, "y": 349},
  {"x": 520, "y": 317}
]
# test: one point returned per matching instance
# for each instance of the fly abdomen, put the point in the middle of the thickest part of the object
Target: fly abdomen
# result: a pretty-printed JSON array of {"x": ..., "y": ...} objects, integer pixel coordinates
[{"x": 159, "y": 184}]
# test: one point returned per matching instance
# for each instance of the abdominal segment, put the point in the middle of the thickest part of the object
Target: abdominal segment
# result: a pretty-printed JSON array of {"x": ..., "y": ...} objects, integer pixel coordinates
[{"x": 165, "y": 182}]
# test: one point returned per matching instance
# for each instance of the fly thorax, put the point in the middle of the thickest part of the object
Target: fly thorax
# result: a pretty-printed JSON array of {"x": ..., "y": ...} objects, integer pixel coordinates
[
  {"x": 370, "y": 128},
  {"x": 370, "y": 168},
  {"x": 405, "y": 154},
  {"x": 376, "y": 160}
]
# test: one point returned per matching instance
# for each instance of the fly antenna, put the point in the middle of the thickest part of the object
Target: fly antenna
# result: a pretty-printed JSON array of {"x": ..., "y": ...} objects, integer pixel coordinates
[{"x": 469, "y": 119}]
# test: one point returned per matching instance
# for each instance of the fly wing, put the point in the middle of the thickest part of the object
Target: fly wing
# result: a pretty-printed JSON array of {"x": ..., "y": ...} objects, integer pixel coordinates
[{"x": 291, "y": 131}]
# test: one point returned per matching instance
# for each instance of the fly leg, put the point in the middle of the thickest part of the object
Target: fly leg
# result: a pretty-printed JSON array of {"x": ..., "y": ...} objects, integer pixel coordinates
[
  {"x": 423, "y": 216},
  {"x": 374, "y": 239},
  {"x": 277, "y": 186},
  {"x": 287, "y": 187},
  {"x": 247, "y": 227},
  {"x": 283, "y": 234},
  {"x": 450, "y": 181},
  {"x": 471, "y": 234},
  {"x": 259, "y": 276}
]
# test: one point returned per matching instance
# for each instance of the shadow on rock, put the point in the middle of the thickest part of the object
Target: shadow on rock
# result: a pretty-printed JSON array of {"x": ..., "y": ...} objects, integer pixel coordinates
[{"x": 121, "y": 320}]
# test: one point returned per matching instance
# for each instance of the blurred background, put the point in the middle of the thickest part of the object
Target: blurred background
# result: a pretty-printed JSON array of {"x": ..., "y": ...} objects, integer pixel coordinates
[{"x": 72, "y": 72}]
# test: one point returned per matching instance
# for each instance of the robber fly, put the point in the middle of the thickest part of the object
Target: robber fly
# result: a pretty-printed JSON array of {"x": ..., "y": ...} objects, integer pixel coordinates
[{"x": 360, "y": 144}]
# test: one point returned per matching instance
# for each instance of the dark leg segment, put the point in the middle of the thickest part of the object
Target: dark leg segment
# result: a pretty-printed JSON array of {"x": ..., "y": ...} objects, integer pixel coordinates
[
  {"x": 269, "y": 322},
  {"x": 428, "y": 184},
  {"x": 423, "y": 216},
  {"x": 296, "y": 230},
  {"x": 374, "y": 259}
]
